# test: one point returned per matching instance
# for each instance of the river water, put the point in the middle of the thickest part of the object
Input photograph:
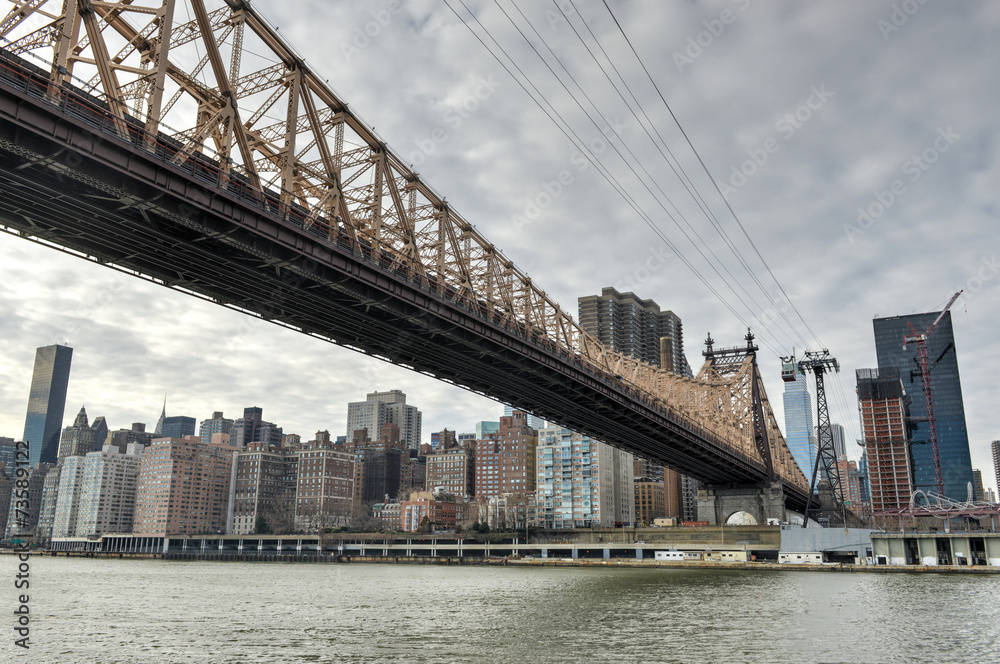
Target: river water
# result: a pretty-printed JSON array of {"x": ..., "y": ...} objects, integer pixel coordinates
[{"x": 150, "y": 612}]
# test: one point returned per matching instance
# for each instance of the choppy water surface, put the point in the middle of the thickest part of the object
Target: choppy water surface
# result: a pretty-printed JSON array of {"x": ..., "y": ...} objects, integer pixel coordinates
[{"x": 132, "y": 611}]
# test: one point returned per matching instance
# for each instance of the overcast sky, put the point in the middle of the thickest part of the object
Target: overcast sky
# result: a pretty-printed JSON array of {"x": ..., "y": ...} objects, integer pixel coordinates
[{"x": 805, "y": 113}]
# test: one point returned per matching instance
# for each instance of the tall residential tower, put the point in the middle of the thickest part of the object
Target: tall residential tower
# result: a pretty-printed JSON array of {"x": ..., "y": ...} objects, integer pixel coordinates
[
  {"x": 381, "y": 408},
  {"x": 635, "y": 327}
]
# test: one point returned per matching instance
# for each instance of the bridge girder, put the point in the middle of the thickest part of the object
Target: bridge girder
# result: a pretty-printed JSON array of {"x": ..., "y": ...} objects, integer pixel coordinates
[{"x": 320, "y": 169}]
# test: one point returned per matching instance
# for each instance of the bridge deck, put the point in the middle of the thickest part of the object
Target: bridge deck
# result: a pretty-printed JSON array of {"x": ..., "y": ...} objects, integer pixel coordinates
[{"x": 74, "y": 178}]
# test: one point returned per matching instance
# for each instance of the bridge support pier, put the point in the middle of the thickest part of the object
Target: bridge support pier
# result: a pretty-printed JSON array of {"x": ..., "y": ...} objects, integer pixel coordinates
[{"x": 763, "y": 502}]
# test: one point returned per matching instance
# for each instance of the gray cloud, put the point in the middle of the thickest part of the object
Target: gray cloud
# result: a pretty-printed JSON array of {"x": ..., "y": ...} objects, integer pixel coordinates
[{"x": 889, "y": 99}]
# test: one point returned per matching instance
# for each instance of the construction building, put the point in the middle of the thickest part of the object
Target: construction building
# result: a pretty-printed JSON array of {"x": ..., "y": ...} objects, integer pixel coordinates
[
  {"x": 884, "y": 407},
  {"x": 940, "y": 351}
]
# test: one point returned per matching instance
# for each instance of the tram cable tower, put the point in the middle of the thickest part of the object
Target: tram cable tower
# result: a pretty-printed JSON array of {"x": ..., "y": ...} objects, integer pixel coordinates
[{"x": 819, "y": 362}]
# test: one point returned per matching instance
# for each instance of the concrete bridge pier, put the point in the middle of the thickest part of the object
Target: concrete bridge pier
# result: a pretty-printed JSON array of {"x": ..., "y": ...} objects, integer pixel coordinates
[{"x": 716, "y": 504}]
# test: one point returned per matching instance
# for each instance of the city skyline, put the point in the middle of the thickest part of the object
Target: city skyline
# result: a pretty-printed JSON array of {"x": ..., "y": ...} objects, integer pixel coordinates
[{"x": 142, "y": 340}]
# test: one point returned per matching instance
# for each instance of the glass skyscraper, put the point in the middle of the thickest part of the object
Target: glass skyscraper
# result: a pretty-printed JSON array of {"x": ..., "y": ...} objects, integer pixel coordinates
[
  {"x": 946, "y": 389},
  {"x": 46, "y": 402},
  {"x": 799, "y": 423},
  {"x": 177, "y": 426}
]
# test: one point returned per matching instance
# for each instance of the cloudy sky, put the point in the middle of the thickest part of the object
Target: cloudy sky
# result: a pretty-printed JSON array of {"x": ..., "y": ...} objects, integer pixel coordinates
[{"x": 855, "y": 143}]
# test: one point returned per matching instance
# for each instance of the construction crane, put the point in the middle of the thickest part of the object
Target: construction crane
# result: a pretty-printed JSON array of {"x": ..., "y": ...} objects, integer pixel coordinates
[{"x": 920, "y": 339}]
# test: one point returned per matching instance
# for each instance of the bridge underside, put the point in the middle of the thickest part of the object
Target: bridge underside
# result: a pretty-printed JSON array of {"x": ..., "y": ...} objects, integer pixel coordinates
[{"x": 68, "y": 183}]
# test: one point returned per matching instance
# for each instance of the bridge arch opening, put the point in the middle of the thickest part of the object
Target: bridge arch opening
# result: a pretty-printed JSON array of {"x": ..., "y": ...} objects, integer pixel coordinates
[{"x": 741, "y": 518}]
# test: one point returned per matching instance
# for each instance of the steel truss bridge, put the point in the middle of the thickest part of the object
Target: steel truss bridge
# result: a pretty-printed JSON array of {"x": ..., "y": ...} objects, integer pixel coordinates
[{"x": 147, "y": 143}]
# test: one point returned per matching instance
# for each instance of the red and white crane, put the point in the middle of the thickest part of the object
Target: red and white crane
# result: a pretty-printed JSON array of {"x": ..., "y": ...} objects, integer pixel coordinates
[{"x": 920, "y": 339}]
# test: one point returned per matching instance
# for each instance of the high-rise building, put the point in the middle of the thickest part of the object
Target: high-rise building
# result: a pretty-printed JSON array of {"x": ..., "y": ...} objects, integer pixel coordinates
[
  {"x": 799, "y": 423},
  {"x": 484, "y": 428},
  {"x": 651, "y": 491},
  {"x": 995, "y": 447},
  {"x": 533, "y": 421},
  {"x": 217, "y": 424},
  {"x": 850, "y": 483},
  {"x": 107, "y": 490},
  {"x": 451, "y": 467},
  {"x": 378, "y": 465},
  {"x": 413, "y": 473},
  {"x": 47, "y": 508},
  {"x": 635, "y": 327},
  {"x": 978, "y": 490},
  {"x": 582, "y": 483},
  {"x": 46, "y": 403},
  {"x": 380, "y": 408},
  {"x": 946, "y": 390},
  {"x": 324, "y": 494},
  {"x": 638, "y": 328},
  {"x": 100, "y": 427},
  {"x": 122, "y": 438},
  {"x": 650, "y": 502},
  {"x": 183, "y": 488},
  {"x": 839, "y": 439},
  {"x": 68, "y": 496},
  {"x": 864, "y": 488},
  {"x": 158, "y": 429},
  {"x": 24, "y": 519},
  {"x": 81, "y": 438},
  {"x": 8, "y": 456},
  {"x": 177, "y": 426},
  {"x": 884, "y": 406},
  {"x": 673, "y": 496},
  {"x": 505, "y": 460},
  {"x": 251, "y": 428},
  {"x": 6, "y": 492},
  {"x": 262, "y": 494}
]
